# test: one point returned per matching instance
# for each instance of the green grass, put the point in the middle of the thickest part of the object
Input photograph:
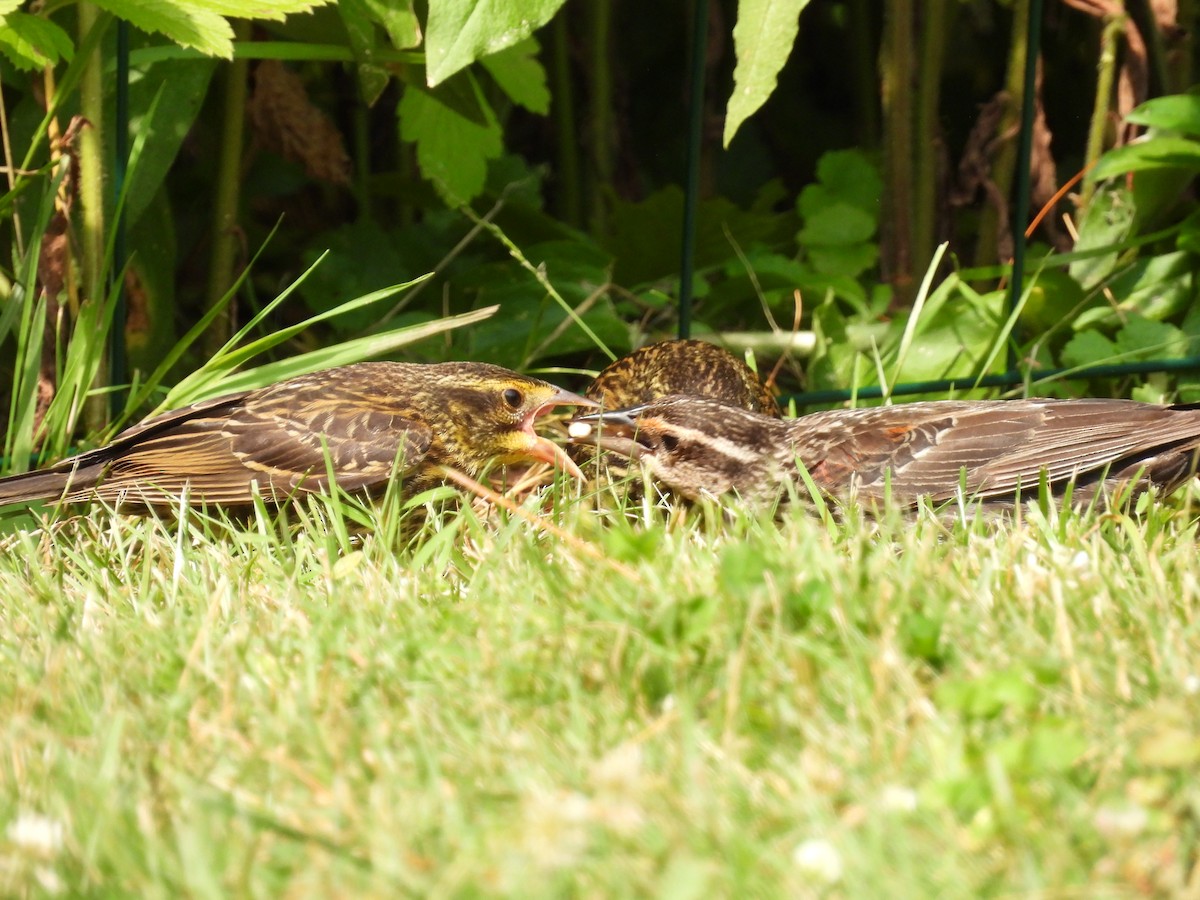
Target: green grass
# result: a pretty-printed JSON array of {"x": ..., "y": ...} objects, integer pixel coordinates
[{"x": 732, "y": 706}]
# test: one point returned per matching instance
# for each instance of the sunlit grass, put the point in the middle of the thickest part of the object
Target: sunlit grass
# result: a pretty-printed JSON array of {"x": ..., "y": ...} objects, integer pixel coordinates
[{"x": 454, "y": 702}]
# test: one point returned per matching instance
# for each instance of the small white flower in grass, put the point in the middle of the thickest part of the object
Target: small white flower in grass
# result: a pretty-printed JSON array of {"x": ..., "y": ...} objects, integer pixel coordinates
[
  {"x": 1191, "y": 684},
  {"x": 49, "y": 880},
  {"x": 896, "y": 798},
  {"x": 36, "y": 834},
  {"x": 1081, "y": 561},
  {"x": 1127, "y": 820},
  {"x": 818, "y": 859}
]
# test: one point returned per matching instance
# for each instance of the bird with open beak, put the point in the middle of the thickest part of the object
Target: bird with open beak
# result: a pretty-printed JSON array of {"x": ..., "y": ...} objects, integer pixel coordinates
[{"x": 366, "y": 423}]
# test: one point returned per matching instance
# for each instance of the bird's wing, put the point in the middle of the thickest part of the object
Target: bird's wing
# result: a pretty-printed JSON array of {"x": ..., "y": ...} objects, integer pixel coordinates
[
  {"x": 279, "y": 440},
  {"x": 367, "y": 437},
  {"x": 1002, "y": 445}
]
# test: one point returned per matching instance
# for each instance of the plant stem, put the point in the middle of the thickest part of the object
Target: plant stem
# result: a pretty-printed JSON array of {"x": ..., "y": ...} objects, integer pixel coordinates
[
  {"x": 1180, "y": 58},
  {"x": 935, "y": 22},
  {"x": 570, "y": 204},
  {"x": 225, "y": 243},
  {"x": 896, "y": 85},
  {"x": 862, "y": 19},
  {"x": 1005, "y": 161},
  {"x": 91, "y": 202},
  {"x": 599, "y": 28},
  {"x": 1106, "y": 72}
]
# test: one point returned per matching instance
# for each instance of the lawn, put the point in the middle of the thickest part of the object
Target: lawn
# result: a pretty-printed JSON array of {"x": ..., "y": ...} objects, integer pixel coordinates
[{"x": 685, "y": 704}]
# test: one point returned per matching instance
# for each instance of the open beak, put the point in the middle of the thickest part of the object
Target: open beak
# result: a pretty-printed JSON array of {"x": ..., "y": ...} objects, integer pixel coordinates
[
  {"x": 615, "y": 431},
  {"x": 544, "y": 448}
]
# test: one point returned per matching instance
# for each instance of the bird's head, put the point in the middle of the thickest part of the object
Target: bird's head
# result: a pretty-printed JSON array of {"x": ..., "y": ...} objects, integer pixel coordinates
[
  {"x": 695, "y": 368},
  {"x": 490, "y": 415},
  {"x": 696, "y": 446}
]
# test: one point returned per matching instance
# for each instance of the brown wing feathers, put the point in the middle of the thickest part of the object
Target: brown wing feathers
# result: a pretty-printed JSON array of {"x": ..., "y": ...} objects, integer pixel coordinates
[{"x": 1002, "y": 445}]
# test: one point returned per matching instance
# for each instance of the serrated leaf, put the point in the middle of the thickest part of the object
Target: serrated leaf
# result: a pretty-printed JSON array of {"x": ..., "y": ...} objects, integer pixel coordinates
[
  {"x": 1178, "y": 112},
  {"x": 1142, "y": 338},
  {"x": 33, "y": 42},
  {"x": 1164, "y": 151},
  {"x": 1088, "y": 348},
  {"x": 763, "y": 38},
  {"x": 184, "y": 24},
  {"x": 452, "y": 150},
  {"x": 851, "y": 176},
  {"x": 458, "y": 32},
  {"x": 275, "y": 10},
  {"x": 521, "y": 75}
]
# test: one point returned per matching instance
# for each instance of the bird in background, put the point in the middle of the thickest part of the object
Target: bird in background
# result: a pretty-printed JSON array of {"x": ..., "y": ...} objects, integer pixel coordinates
[
  {"x": 367, "y": 422},
  {"x": 988, "y": 450},
  {"x": 695, "y": 368}
]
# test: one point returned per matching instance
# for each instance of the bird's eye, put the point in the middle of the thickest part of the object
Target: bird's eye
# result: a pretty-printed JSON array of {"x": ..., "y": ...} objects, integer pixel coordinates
[
  {"x": 670, "y": 443},
  {"x": 514, "y": 398}
]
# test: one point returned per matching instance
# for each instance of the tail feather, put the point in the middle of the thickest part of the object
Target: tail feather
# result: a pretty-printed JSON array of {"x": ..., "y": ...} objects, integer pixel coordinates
[{"x": 43, "y": 484}]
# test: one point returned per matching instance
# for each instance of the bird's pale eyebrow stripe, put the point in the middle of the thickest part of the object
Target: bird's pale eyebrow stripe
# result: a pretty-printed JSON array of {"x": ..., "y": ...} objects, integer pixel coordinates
[{"x": 721, "y": 445}]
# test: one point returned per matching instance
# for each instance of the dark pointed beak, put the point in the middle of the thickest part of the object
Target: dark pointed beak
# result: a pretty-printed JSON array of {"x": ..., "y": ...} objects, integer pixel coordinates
[{"x": 613, "y": 430}]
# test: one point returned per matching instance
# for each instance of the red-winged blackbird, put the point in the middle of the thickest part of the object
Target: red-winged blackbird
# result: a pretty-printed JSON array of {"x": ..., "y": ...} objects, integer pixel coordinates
[
  {"x": 367, "y": 422},
  {"x": 695, "y": 368},
  {"x": 990, "y": 450}
]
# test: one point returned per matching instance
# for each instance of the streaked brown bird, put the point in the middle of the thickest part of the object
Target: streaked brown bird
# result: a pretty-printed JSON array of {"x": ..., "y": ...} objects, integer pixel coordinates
[
  {"x": 368, "y": 420},
  {"x": 990, "y": 450},
  {"x": 694, "y": 368}
]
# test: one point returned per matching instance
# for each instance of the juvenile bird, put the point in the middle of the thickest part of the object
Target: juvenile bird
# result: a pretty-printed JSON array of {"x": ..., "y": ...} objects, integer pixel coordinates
[
  {"x": 695, "y": 368},
  {"x": 990, "y": 449},
  {"x": 369, "y": 421}
]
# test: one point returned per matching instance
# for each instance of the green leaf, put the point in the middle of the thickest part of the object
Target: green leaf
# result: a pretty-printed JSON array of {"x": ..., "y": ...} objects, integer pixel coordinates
[
  {"x": 1178, "y": 112},
  {"x": 1164, "y": 151},
  {"x": 838, "y": 224},
  {"x": 1053, "y": 297},
  {"x": 359, "y": 20},
  {"x": 849, "y": 175},
  {"x": 458, "y": 32},
  {"x": 850, "y": 260},
  {"x": 521, "y": 75},
  {"x": 452, "y": 150},
  {"x": 763, "y": 38},
  {"x": 1088, "y": 348},
  {"x": 185, "y": 24},
  {"x": 164, "y": 100},
  {"x": 1106, "y": 222},
  {"x": 1156, "y": 287},
  {"x": 275, "y": 10},
  {"x": 1189, "y": 234},
  {"x": 1142, "y": 338},
  {"x": 398, "y": 19},
  {"x": 32, "y": 42}
]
